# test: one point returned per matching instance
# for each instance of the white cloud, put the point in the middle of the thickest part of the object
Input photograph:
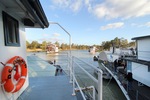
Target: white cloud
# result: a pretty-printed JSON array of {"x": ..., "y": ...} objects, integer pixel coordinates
[
  {"x": 61, "y": 3},
  {"x": 122, "y": 9},
  {"x": 56, "y": 34},
  {"x": 55, "y": 37},
  {"x": 88, "y": 4},
  {"x": 112, "y": 26},
  {"x": 52, "y": 39},
  {"x": 147, "y": 24},
  {"x": 45, "y": 35},
  {"x": 108, "y": 9},
  {"x": 73, "y": 5}
]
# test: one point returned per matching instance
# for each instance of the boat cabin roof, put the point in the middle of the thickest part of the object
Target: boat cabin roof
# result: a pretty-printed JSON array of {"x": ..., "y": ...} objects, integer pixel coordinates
[
  {"x": 30, "y": 12},
  {"x": 141, "y": 37}
]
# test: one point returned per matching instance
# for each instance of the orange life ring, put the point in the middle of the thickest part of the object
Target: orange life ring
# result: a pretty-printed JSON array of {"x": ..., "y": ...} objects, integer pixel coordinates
[{"x": 11, "y": 72}]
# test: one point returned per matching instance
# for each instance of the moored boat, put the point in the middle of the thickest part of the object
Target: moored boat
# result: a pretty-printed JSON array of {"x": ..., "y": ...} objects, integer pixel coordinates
[{"x": 51, "y": 48}]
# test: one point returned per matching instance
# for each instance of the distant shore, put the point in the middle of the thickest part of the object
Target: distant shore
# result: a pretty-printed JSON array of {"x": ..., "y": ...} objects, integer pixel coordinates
[
  {"x": 40, "y": 50},
  {"x": 34, "y": 50}
]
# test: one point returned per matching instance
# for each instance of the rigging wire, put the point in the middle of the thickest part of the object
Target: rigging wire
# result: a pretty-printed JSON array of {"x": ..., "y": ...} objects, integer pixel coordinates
[{"x": 109, "y": 81}]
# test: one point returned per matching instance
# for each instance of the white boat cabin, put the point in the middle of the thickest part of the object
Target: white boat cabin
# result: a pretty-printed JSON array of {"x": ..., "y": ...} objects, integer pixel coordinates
[
  {"x": 15, "y": 16},
  {"x": 92, "y": 49},
  {"x": 140, "y": 66},
  {"x": 51, "y": 48}
]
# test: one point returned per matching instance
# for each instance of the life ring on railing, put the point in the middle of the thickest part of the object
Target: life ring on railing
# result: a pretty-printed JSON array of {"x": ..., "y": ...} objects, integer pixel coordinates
[{"x": 14, "y": 74}]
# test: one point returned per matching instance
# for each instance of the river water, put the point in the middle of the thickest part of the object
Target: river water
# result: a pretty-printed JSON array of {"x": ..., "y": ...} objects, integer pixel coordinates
[{"x": 111, "y": 90}]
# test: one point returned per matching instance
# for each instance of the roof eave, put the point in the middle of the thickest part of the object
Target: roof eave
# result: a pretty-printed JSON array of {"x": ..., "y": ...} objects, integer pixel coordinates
[
  {"x": 36, "y": 12},
  {"x": 141, "y": 37},
  {"x": 41, "y": 12}
]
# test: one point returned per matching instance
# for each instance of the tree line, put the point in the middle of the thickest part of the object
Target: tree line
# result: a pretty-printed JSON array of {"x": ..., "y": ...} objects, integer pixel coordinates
[
  {"x": 118, "y": 43},
  {"x": 64, "y": 46},
  {"x": 105, "y": 45}
]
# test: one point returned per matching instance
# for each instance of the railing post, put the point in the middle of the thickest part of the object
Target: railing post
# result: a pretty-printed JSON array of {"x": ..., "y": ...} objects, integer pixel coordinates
[
  {"x": 73, "y": 78},
  {"x": 73, "y": 86},
  {"x": 100, "y": 85},
  {"x": 68, "y": 63},
  {"x": 71, "y": 69}
]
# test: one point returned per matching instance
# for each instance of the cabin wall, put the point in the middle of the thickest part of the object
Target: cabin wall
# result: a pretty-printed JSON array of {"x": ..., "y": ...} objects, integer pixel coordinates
[
  {"x": 7, "y": 52},
  {"x": 144, "y": 49},
  {"x": 140, "y": 73}
]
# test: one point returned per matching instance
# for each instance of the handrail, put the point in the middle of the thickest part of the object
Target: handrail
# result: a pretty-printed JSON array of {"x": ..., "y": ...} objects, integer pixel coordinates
[
  {"x": 99, "y": 81},
  {"x": 90, "y": 65},
  {"x": 93, "y": 78}
]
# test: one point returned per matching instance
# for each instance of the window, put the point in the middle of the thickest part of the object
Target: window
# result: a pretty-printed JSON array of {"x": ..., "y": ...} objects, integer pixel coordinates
[{"x": 11, "y": 30}]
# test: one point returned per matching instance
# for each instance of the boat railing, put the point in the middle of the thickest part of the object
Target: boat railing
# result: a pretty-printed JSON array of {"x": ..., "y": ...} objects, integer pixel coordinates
[
  {"x": 135, "y": 94},
  {"x": 77, "y": 81}
]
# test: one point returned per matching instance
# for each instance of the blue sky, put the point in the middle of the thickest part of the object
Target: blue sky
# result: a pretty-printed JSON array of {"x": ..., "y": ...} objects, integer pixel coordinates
[{"x": 93, "y": 21}]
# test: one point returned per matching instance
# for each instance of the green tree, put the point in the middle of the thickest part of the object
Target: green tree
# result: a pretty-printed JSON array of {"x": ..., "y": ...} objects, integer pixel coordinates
[
  {"x": 57, "y": 44},
  {"x": 132, "y": 44},
  {"x": 116, "y": 42},
  {"x": 106, "y": 45},
  {"x": 63, "y": 46},
  {"x": 34, "y": 44},
  {"x": 27, "y": 45},
  {"x": 124, "y": 43},
  {"x": 73, "y": 46},
  {"x": 43, "y": 45}
]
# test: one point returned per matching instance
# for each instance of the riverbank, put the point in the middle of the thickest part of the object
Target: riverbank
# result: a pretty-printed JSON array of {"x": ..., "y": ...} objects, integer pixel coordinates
[
  {"x": 40, "y": 50},
  {"x": 34, "y": 50}
]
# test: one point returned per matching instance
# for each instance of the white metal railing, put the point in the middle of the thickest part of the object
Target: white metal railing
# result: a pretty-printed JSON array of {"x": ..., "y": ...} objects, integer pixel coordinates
[
  {"x": 118, "y": 82},
  {"x": 99, "y": 82}
]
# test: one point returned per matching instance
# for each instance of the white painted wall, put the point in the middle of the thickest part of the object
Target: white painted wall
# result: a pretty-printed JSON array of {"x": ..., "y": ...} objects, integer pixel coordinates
[
  {"x": 7, "y": 52},
  {"x": 144, "y": 49},
  {"x": 140, "y": 73}
]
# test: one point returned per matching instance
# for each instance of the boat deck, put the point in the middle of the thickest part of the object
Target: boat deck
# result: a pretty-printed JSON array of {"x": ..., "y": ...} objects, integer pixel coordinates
[
  {"x": 44, "y": 85},
  {"x": 139, "y": 91},
  {"x": 48, "y": 88}
]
